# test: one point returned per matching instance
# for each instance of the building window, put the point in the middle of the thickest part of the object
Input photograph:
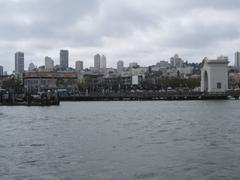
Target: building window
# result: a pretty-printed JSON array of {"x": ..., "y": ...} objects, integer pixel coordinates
[{"x": 219, "y": 85}]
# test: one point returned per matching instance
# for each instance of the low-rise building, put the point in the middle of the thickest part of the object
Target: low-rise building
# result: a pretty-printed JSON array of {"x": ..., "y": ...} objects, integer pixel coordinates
[{"x": 37, "y": 81}]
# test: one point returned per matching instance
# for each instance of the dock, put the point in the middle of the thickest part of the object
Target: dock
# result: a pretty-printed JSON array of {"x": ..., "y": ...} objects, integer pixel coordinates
[{"x": 154, "y": 96}]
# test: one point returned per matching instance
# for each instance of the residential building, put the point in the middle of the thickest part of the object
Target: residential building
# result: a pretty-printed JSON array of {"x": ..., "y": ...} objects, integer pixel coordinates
[
  {"x": 103, "y": 62},
  {"x": 176, "y": 61},
  {"x": 100, "y": 62},
  {"x": 97, "y": 61},
  {"x": 120, "y": 66},
  {"x": 19, "y": 62},
  {"x": 64, "y": 57},
  {"x": 49, "y": 64},
  {"x": 79, "y": 65}
]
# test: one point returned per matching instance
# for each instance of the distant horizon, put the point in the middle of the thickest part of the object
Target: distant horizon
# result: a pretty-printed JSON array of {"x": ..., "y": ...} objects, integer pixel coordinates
[
  {"x": 146, "y": 32},
  {"x": 72, "y": 65}
]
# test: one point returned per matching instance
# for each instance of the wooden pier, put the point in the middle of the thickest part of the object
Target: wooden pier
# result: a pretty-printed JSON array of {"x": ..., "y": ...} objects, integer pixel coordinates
[{"x": 154, "y": 96}]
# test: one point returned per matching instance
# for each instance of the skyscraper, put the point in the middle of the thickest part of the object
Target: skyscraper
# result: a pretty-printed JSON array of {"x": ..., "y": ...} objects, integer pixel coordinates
[
  {"x": 120, "y": 66},
  {"x": 19, "y": 62},
  {"x": 1, "y": 70},
  {"x": 64, "y": 55},
  {"x": 49, "y": 63},
  {"x": 97, "y": 60},
  {"x": 237, "y": 59},
  {"x": 79, "y": 65},
  {"x": 103, "y": 62}
]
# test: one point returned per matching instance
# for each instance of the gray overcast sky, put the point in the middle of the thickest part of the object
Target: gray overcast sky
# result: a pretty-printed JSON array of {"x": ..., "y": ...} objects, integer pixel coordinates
[{"x": 145, "y": 31}]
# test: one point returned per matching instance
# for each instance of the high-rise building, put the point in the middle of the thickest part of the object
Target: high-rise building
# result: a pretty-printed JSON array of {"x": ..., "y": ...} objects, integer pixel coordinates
[
  {"x": 19, "y": 62},
  {"x": 103, "y": 62},
  {"x": 97, "y": 60},
  {"x": 120, "y": 66},
  {"x": 79, "y": 65},
  {"x": 100, "y": 62},
  {"x": 64, "y": 55},
  {"x": 176, "y": 61},
  {"x": 49, "y": 64},
  {"x": 1, "y": 70},
  {"x": 237, "y": 59}
]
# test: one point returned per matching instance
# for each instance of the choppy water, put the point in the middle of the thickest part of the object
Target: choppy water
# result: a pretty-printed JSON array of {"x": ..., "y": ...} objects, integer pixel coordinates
[{"x": 121, "y": 140}]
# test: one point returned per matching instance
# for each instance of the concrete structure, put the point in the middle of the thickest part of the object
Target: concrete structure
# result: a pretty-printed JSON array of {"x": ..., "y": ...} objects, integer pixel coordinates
[
  {"x": 100, "y": 62},
  {"x": 64, "y": 56},
  {"x": 19, "y": 62},
  {"x": 1, "y": 70},
  {"x": 214, "y": 75},
  {"x": 97, "y": 60},
  {"x": 49, "y": 64},
  {"x": 120, "y": 66},
  {"x": 237, "y": 60},
  {"x": 176, "y": 61},
  {"x": 137, "y": 79},
  {"x": 103, "y": 62},
  {"x": 79, "y": 65}
]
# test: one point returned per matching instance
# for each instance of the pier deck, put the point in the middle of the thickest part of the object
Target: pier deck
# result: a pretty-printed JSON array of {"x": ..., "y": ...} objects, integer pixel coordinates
[{"x": 143, "y": 96}]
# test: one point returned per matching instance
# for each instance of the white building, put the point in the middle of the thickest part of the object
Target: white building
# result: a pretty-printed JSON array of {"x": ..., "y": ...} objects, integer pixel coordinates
[
  {"x": 137, "y": 79},
  {"x": 176, "y": 61},
  {"x": 19, "y": 62},
  {"x": 103, "y": 62},
  {"x": 214, "y": 75},
  {"x": 49, "y": 64},
  {"x": 97, "y": 60},
  {"x": 79, "y": 65},
  {"x": 120, "y": 66},
  {"x": 100, "y": 62}
]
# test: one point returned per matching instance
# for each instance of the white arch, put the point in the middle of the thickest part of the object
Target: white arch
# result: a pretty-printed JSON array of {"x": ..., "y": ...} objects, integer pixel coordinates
[{"x": 214, "y": 75}]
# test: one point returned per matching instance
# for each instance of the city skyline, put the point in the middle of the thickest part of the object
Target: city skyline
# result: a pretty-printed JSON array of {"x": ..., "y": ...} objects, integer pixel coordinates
[{"x": 146, "y": 31}]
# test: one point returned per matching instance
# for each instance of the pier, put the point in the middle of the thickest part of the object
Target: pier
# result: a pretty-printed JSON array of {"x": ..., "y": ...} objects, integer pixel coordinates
[{"x": 154, "y": 96}]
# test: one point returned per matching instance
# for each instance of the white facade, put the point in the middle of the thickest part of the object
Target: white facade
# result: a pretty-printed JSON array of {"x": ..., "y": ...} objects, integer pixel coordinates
[
  {"x": 176, "y": 61},
  {"x": 120, "y": 66},
  {"x": 137, "y": 79},
  {"x": 79, "y": 65},
  {"x": 49, "y": 64},
  {"x": 214, "y": 75},
  {"x": 100, "y": 62},
  {"x": 103, "y": 62},
  {"x": 97, "y": 60}
]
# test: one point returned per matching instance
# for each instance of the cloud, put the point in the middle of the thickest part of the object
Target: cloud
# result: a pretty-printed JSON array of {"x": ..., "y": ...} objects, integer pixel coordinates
[{"x": 146, "y": 31}]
